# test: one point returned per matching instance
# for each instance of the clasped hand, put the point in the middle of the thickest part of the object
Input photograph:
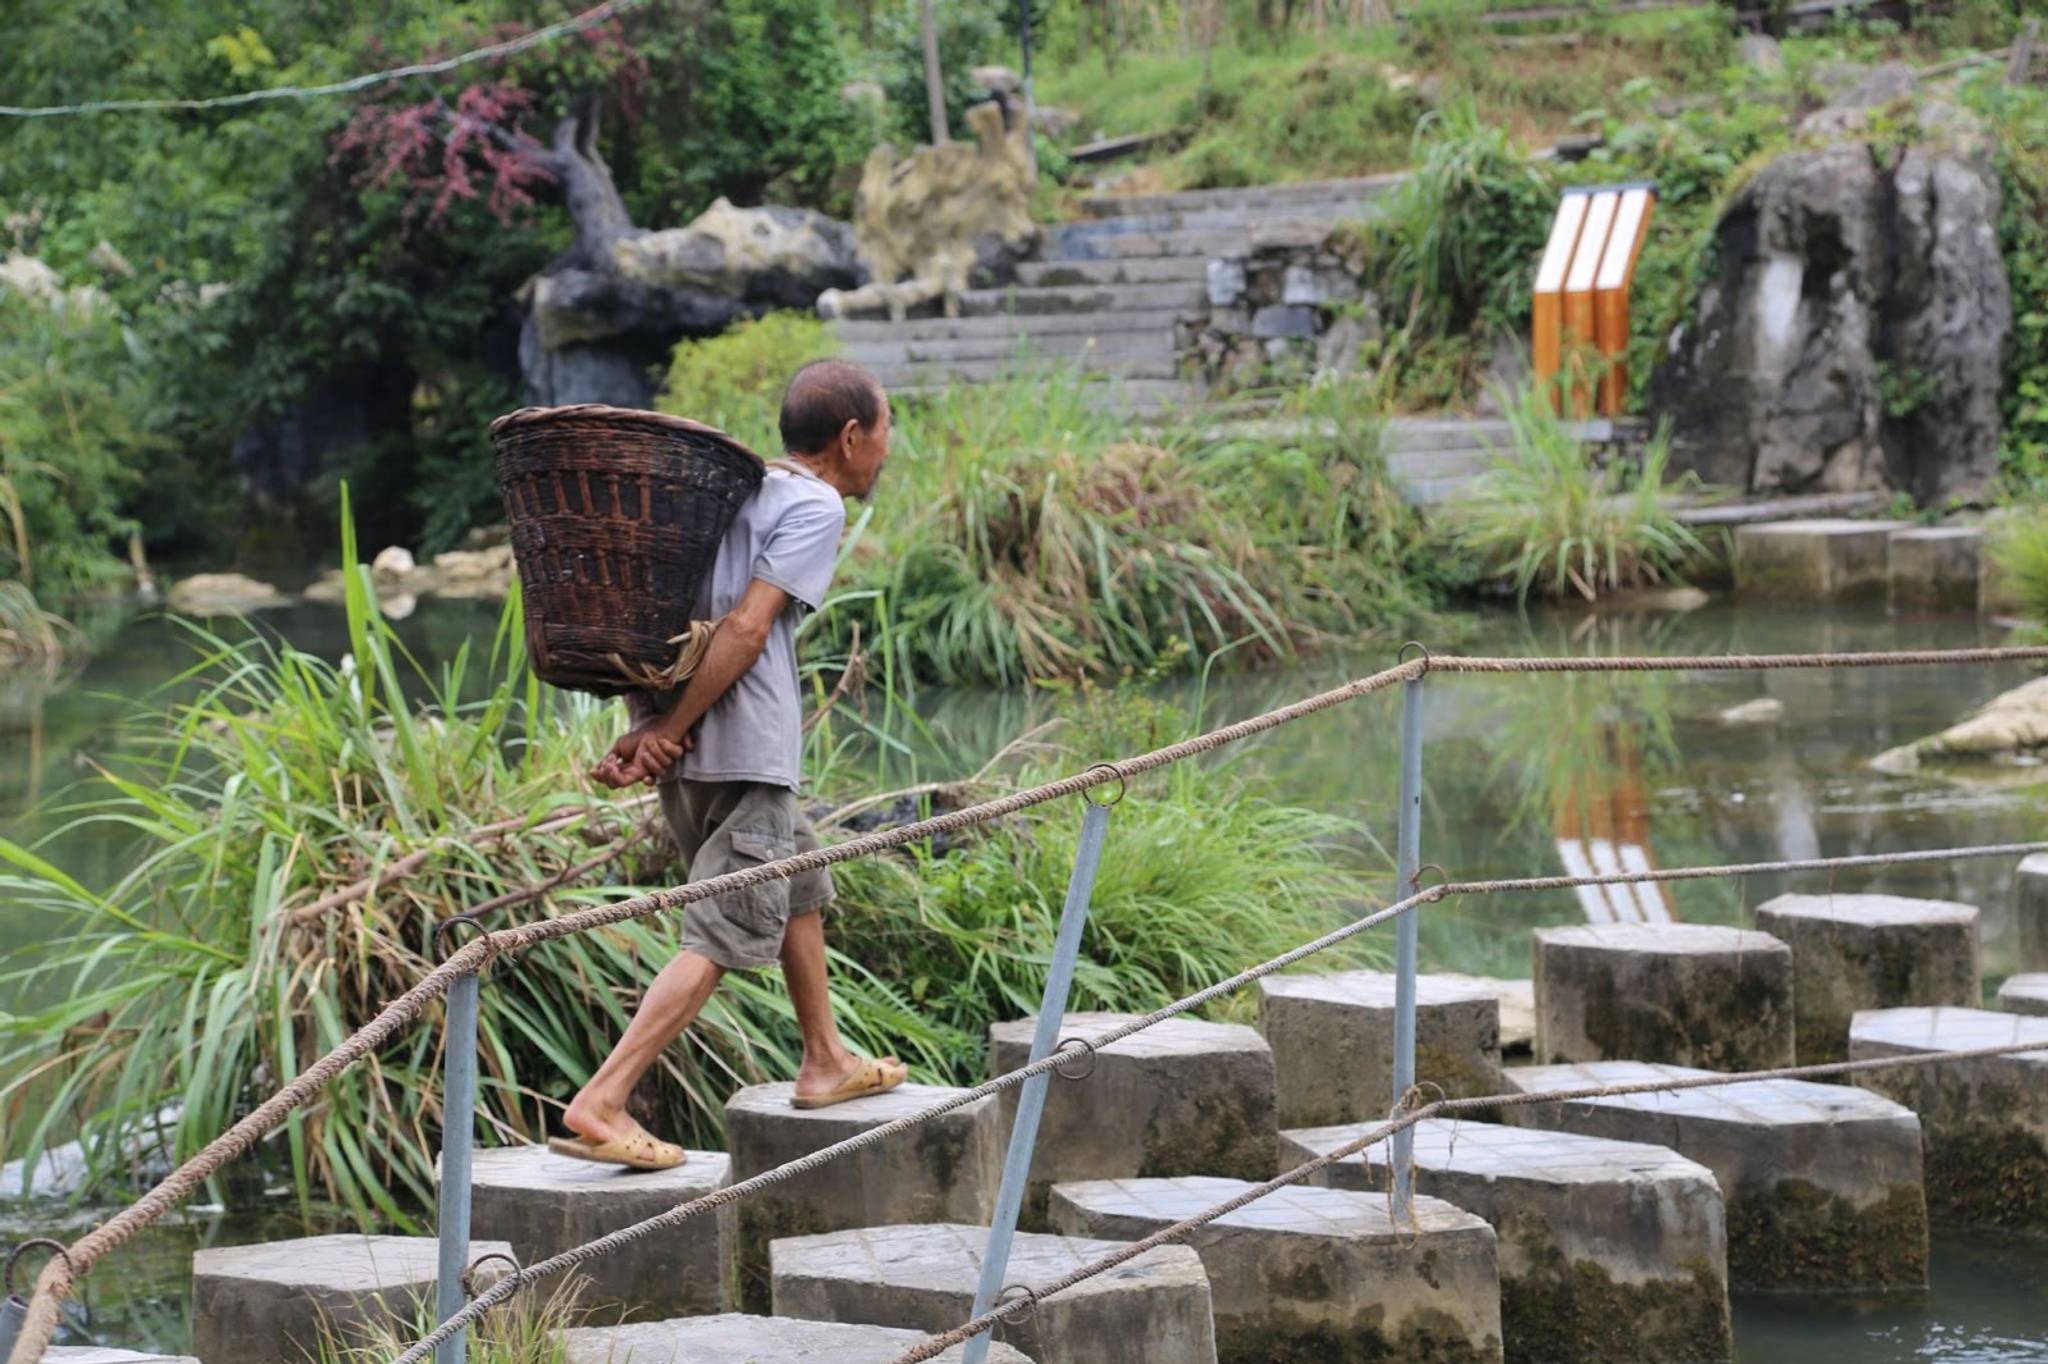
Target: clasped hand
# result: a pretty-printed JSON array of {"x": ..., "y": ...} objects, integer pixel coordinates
[{"x": 642, "y": 754}]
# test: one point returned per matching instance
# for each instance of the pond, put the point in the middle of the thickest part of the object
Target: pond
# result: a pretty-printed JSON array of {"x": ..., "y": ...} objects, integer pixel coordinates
[{"x": 1524, "y": 776}]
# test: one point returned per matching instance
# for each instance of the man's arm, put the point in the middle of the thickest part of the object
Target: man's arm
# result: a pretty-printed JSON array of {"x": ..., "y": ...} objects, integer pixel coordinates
[{"x": 741, "y": 637}]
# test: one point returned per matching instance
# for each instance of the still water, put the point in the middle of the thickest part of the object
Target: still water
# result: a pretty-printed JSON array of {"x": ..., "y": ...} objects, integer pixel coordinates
[{"x": 1524, "y": 776}]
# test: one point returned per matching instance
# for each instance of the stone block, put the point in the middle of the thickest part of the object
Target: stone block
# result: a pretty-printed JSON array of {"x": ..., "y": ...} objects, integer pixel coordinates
[
  {"x": 1333, "y": 1042},
  {"x": 1816, "y": 561},
  {"x": 1852, "y": 952},
  {"x": 738, "y": 1339},
  {"x": 1687, "y": 994},
  {"x": 2025, "y": 994},
  {"x": 1986, "y": 1117},
  {"x": 1226, "y": 282},
  {"x": 100, "y": 1354},
  {"x": 1151, "y": 1310},
  {"x": 2030, "y": 913},
  {"x": 1285, "y": 319},
  {"x": 1181, "y": 1098},
  {"x": 943, "y": 1170},
  {"x": 1821, "y": 1183},
  {"x": 1305, "y": 1275},
  {"x": 1608, "y": 1250},
  {"x": 1935, "y": 568},
  {"x": 1301, "y": 284},
  {"x": 543, "y": 1204},
  {"x": 267, "y": 1304}
]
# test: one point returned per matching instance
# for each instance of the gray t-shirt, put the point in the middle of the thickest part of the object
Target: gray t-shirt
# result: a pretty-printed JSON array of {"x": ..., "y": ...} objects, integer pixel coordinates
[{"x": 786, "y": 535}]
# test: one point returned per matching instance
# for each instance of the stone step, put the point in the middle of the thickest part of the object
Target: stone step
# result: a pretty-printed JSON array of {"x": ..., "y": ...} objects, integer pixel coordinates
[
  {"x": 902, "y": 1179},
  {"x": 738, "y": 1339},
  {"x": 1459, "y": 464},
  {"x": 1829, "y": 560},
  {"x": 1125, "y": 270},
  {"x": 1140, "y": 397},
  {"x": 1986, "y": 1119},
  {"x": 1081, "y": 298},
  {"x": 1267, "y": 200},
  {"x": 2027, "y": 994},
  {"x": 1687, "y": 994},
  {"x": 1303, "y": 1268},
  {"x": 1292, "y": 219},
  {"x": 1608, "y": 1250},
  {"x": 1026, "y": 349},
  {"x": 1010, "y": 327},
  {"x": 1114, "y": 238},
  {"x": 101, "y": 1354},
  {"x": 908, "y": 374},
  {"x": 1418, "y": 434},
  {"x": 1154, "y": 1309},
  {"x": 268, "y": 1304},
  {"x": 542, "y": 1204},
  {"x": 1799, "y": 508},
  {"x": 1822, "y": 1183},
  {"x": 1333, "y": 1042},
  {"x": 1184, "y": 1097},
  {"x": 2030, "y": 913},
  {"x": 1854, "y": 952},
  {"x": 1935, "y": 568}
]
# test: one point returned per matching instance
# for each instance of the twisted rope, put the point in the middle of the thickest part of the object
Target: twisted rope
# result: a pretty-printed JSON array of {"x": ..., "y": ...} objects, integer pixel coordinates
[
  {"x": 187, "y": 1178},
  {"x": 1413, "y": 1114},
  {"x": 588, "y": 19}
]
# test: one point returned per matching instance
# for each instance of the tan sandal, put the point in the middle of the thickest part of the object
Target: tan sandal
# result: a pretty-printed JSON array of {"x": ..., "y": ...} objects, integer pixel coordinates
[
  {"x": 637, "y": 1150},
  {"x": 869, "y": 1077}
]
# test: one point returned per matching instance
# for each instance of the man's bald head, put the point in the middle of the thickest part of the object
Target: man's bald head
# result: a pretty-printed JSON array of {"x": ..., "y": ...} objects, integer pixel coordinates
[{"x": 822, "y": 398}]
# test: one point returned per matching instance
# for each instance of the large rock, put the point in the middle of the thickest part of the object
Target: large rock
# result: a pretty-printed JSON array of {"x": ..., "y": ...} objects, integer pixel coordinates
[
  {"x": 766, "y": 255},
  {"x": 1854, "y": 331},
  {"x": 2010, "y": 723}
]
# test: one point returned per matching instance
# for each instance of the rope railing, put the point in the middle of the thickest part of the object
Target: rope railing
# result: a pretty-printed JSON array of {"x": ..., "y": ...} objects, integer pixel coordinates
[
  {"x": 1408, "y": 1117},
  {"x": 60, "y": 1275},
  {"x": 590, "y": 18}
]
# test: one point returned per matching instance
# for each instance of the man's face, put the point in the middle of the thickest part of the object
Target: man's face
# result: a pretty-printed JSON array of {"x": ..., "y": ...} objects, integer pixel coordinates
[{"x": 867, "y": 450}]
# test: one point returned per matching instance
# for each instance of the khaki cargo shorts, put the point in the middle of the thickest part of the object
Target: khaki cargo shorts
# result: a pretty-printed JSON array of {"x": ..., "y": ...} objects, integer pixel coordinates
[{"x": 723, "y": 826}]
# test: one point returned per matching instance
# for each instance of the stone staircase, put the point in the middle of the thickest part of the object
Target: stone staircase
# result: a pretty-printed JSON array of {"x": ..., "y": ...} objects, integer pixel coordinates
[{"x": 1105, "y": 290}]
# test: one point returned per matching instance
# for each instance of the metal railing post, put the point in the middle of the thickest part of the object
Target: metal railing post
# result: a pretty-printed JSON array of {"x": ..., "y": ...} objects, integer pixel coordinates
[
  {"x": 1052, "y": 1011},
  {"x": 13, "y": 1311},
  {"x": 458, "y": 1135},
  {"x": 1407, "y": 862}
]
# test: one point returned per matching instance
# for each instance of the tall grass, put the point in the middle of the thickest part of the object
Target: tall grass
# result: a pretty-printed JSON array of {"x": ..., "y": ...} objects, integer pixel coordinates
[
  {"x": 1547, "y": 518},
  {"x": 29, "y": 635},
  {"x": 527, "y": 1329},
  {"x": 2019, "y": 549},
  {"x": 190, "y": 983}
]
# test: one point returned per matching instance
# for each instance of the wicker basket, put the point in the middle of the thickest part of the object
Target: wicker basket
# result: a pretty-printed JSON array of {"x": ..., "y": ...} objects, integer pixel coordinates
[{"x": 616, "y": 516}]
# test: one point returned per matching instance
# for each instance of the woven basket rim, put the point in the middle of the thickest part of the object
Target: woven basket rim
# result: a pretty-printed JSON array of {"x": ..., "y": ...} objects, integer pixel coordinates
[{"x": 628, "y": 416}]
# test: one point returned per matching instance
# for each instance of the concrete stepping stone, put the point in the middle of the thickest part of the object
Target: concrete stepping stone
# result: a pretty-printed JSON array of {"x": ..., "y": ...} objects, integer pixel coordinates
[
  {"x": 1181, "y": 1098},
  {"x": 1822, "y": 560},
  {"x": 101, "y": 1354},
  {"x": 544, "y": 1203},
  {"x": 1986, "y": 1118},
  {"x": 267, "y": 1304},
  {"x": 1935, "y": 568},
  {"x": 1517, "y": 1008},
  {"x": 1607, "y": 1250},
  {"x": 738, "y": 1339},
  {"x": 2025, "y": 994},
  {"x": 943, "y": 1170},
  {"x": 1315, "y": 1273},
  {"x": 1151, "y": 1310},
  {"x": 2030, "y": 913},
  {"x": 1821, "y": 1183},
  {"x": 1685, "y": 994},
  {"x": 1333, "y": 1042},
  {"x": 1852, "y": 952}
]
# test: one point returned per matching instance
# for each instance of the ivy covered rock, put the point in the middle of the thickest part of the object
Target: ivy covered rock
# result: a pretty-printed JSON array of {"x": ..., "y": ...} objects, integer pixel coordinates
[{"x": 1853, "y": 332}]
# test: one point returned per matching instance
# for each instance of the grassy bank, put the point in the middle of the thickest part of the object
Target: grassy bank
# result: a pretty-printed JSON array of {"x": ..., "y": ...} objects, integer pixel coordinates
[{"x": 203, "y": 974}]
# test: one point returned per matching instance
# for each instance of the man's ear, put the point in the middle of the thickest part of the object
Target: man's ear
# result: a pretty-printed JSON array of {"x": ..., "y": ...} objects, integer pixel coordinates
[{"x": 848, "y": 435}]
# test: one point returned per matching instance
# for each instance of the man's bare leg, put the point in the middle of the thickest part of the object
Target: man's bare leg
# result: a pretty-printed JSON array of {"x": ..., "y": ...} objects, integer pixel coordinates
[
  {"x": 826, "y": 1062},
  {"x": 598, "y": 1112}
]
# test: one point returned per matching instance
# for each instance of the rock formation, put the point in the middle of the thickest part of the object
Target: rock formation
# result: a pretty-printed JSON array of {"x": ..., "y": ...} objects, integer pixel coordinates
[
  {"x": 600, "y": 320},
  {"x": 941, "y": 219},
  {"x": 1854, "y": 332}
]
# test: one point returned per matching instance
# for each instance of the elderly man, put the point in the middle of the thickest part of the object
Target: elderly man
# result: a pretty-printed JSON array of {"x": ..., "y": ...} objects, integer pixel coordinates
[{"x": 724, "y": 754}]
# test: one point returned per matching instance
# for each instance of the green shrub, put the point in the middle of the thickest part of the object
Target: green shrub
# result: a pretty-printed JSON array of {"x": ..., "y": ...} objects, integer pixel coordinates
[
  {"x": 1546, "y": 517},
  {"x": 2019, "y": 546},
  {"x": 734, "y": 380}
]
